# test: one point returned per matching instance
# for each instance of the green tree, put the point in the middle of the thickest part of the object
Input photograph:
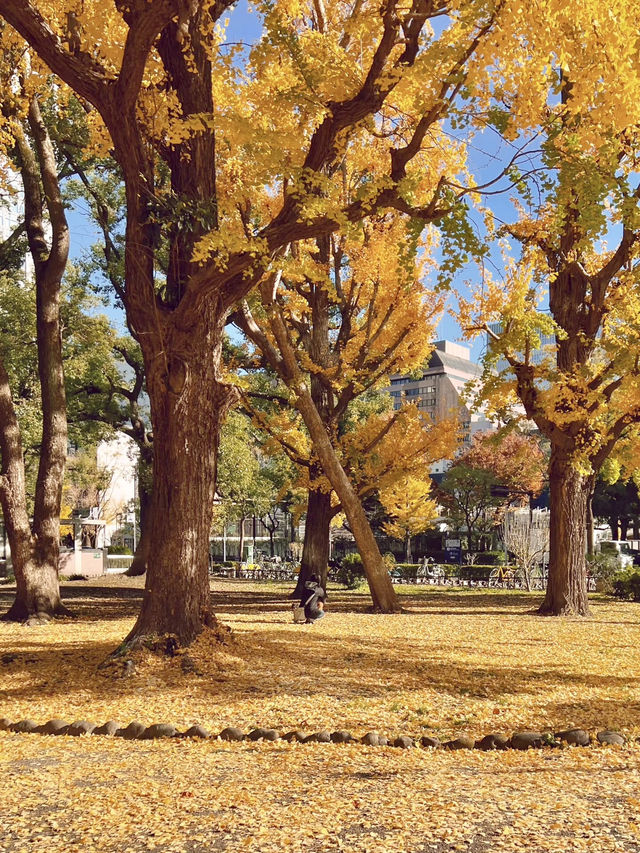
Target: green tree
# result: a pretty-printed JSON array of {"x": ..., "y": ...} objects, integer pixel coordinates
[
  {"x": 248, "y": 484},
  {"x": 513, "y": 461}
]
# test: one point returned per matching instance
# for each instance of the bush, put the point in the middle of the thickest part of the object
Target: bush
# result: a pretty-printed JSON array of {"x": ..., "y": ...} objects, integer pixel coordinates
[
  {"x": 605, "y": 569},
  {"x": 351, "y": 571},
  {"x": 117, "y": 549},
  {"x": 627, "y": 586},
  {"x": 492, "y": 558}
]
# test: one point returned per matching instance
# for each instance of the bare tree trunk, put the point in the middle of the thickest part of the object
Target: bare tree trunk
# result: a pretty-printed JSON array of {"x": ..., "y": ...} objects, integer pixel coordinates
[
  {"x": 590, "y": 525},
  {"x": 408, "y": 558},
  {"x": 188, "y": 404},
  {"x": 241, "y": 539},
  {"x": 382, "y": 591},
  {"x": 141, "y": 557},
  {"x": 145, "y": 497},
  {"x": 315, "y": 552},
  {"x": 36, "y": 554},
  {"x": 567, "y": 584}
]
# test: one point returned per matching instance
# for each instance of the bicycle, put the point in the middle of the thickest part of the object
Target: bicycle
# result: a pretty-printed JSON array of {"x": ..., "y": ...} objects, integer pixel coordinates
[{"x": 507, "y": 576}]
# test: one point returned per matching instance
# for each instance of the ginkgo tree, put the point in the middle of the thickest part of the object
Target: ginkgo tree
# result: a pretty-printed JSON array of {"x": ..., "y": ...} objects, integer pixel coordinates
[
  {"x": 353, "y": 310},
  {"x": 227, "y": 157},
  {"x": 412, "y": 509},
  {"x": 579, "y": 231}
]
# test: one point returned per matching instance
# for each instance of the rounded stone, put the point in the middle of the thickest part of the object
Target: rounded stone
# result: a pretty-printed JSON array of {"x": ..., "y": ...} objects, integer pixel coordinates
[
  {"x": 430, "y": 742},
  {"x": 109, "y": 728},
  {"x": 132, "y": 731},
  {"x": 527, "y": 740},
  {"x": 23, "y": 726},
  {"x": 158, "y": 730},
  {"x": 231, "y": 733},
  {"x": 404, "y": 742},
  {"x": 611, "y": 738},
  {"x": 4, "y": 724},
  {"x": 492, "y": 741},
  {"x": 256, "y": 734},
  {"x": 54, "y": 727},
  {"x": 271, "y": 735},
  {"x": 371, "y": 739},
  {"x": 197, "y": 731},
  {"x": 321, "y": 737},
  {"x": 574, "y": 737},
  {"x": 462, "y": 742},
  {"x": 341, "y": 736},
  {"x": 383, "y": 740},
  {"x": 81, "y": 727},
  {"x": 296, "y": 735}
]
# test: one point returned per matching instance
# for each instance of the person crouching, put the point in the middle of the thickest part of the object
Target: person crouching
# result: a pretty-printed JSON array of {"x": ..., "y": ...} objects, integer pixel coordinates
[{"x": 312, "y": 599}]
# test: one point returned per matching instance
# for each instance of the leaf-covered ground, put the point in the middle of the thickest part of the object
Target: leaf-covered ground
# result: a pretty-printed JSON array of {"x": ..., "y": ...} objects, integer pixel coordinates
[{"x": 455, "y": 662}]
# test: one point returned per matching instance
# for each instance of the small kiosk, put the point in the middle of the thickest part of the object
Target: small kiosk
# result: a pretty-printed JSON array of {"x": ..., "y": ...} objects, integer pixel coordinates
[{"x": 79, "y": 554}]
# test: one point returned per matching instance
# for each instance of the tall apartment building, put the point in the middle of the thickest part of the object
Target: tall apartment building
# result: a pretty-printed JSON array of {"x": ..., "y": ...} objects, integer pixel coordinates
[{"x": 438, "y": 391}]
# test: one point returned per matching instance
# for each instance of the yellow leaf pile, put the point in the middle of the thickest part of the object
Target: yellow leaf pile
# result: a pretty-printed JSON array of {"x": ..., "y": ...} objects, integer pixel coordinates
[{"x": 455, "y": 661}]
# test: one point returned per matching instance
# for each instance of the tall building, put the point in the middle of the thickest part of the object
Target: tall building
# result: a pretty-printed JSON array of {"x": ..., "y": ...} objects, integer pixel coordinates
[{"x": 438, "y": 390}]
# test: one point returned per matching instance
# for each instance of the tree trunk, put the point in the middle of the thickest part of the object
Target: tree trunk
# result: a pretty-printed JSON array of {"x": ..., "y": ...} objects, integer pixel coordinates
[
  {"x": 569, "y": 494},
  {"x": 241, "y": 540},
  {"x": 188, "y": 405},
  {"x": 382, "y": 591},
  {"x": 37, "y": 589},
  {"x": 35, "y": 551},
  {"x": 272, "y": 545},
  {"x": 408, "y": 558},
  {"x": 590, "y": 547},
  {"x": 141, "y": 557},
  {"x": 315, "y": 552}
]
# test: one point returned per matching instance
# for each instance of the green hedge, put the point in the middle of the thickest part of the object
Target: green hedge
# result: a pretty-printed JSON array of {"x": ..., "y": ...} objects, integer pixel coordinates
[{"x": 628, "y": 587}]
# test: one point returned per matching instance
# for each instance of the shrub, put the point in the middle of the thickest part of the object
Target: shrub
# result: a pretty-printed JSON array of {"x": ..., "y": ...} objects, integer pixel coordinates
[
  {"x": 627, "y": 586},
  {"x": 118, "y": 549},
  {"x": 351, "y": 571},
  {"x": 605, "y": 569}
]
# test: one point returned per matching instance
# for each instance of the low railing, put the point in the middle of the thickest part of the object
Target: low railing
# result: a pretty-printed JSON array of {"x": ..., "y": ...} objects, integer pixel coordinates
[
  {"x": 257, "y": 571},
  {"x": 118, "y": 563}
]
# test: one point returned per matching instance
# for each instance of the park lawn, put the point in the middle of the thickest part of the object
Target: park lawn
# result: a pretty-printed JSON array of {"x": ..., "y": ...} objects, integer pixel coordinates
[{"x": 455, "y": 662}]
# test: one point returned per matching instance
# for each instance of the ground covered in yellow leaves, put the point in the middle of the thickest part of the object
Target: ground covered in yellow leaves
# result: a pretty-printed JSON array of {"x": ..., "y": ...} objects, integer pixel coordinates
[{"x": 455, "y": 662}]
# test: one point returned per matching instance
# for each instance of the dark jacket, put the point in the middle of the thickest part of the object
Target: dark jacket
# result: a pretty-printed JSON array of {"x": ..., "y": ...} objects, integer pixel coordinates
[{"x": 312, "y": 593}]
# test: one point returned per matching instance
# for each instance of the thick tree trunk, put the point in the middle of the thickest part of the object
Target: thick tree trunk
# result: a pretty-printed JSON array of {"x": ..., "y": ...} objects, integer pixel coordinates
[
  {"x": 35, "y": 551},
  {"x": 188, "y": 405},
  {"x": 315, "y": 552},
  {"x": 569, "y": 494}
]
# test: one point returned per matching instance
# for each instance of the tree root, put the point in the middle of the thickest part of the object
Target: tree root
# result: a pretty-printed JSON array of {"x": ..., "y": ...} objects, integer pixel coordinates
[{"x": 19, "y": 612}]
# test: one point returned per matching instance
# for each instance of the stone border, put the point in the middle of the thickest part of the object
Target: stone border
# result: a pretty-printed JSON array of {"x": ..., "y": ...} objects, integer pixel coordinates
[{"x": 138, "y": 731}]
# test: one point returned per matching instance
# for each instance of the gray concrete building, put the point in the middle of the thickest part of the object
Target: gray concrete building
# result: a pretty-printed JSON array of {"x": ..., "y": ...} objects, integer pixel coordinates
[{"x": 438, "y": 390}]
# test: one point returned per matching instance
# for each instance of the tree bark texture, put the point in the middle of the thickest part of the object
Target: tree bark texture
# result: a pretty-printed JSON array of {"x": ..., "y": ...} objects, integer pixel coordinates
[
  {"x": 35, "y": 550},
  {"x": 382, "y": 591},
  {"x": 145, "y": 498},
  {"x": 315, "y": 551},
  {"x": 408, "y": 558},
  {"x": 569, "y": 495},
  {"x": 188, "y": 405}
]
